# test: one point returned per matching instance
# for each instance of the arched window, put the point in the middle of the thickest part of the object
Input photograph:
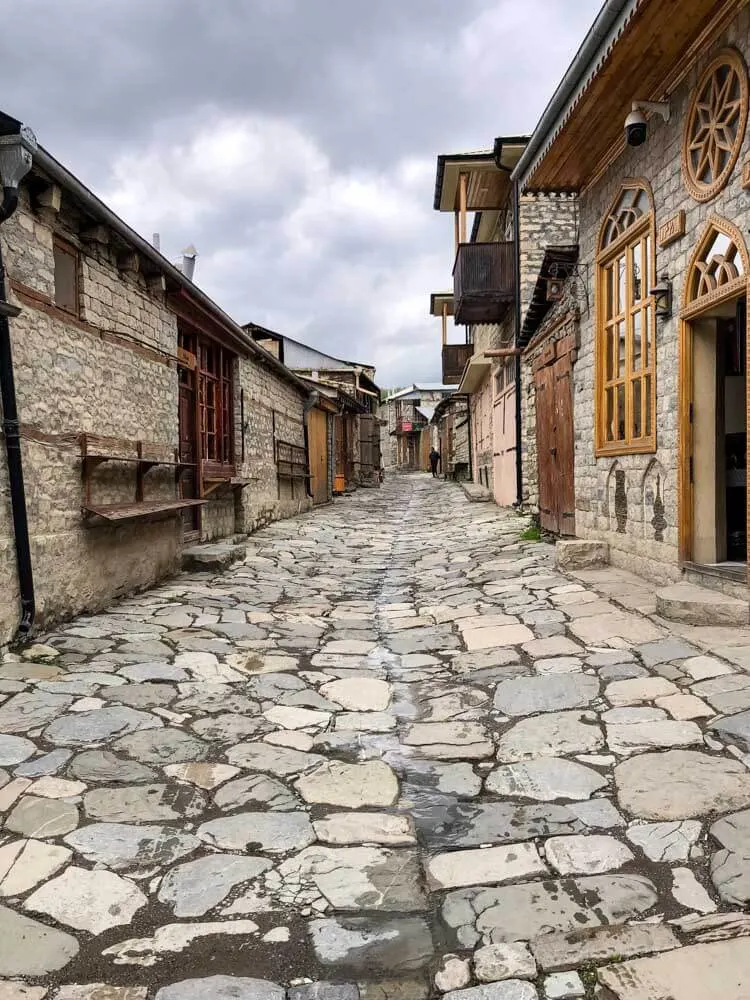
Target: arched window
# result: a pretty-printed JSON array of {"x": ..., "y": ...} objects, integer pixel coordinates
[
  {"x": 718, "y": 267},
  {"x": 626, "y": 355}
]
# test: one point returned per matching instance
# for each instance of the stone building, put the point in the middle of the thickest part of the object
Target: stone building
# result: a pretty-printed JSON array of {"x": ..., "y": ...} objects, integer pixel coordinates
[
  {"x": 658, "y": 385},
  {"x": 350, "y": 386},
  {"x": 451, "y": 421},
  {"x": 406, "y": 435},
  {"x": 494, "y": 274},
  {"x": 148, "y": 417}
]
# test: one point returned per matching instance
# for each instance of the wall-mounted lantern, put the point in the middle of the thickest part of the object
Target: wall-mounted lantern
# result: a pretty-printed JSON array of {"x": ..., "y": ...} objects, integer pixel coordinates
[
  {"x": 662, "y": 295},
  {"x": 555, "y": 289}
]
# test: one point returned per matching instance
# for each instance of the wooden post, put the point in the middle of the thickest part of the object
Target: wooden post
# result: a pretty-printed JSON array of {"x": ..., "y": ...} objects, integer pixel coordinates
[
  {"x": 456, "y": 229},
  {"x": 445, "y": 323},
  {"x": 463, "y": 185}
]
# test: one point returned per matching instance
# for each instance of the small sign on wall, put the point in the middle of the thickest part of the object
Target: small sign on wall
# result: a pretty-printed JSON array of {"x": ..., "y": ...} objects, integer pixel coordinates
[{"x": 671, "y": 230}]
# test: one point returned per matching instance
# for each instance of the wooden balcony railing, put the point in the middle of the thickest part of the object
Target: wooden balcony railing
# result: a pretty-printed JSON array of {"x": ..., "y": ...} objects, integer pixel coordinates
[
  {"x": 455, "y": 357},
  {"x": 483, "y": 281}
]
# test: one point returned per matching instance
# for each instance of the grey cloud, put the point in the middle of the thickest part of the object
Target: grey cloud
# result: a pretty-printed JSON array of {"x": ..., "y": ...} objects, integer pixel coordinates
[{"x": 293, "y": 141}]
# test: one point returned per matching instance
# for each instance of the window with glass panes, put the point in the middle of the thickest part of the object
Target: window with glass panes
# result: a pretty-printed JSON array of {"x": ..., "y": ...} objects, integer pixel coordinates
[
  {"x": 215, "y": 402},
  {"x": 626, "y": 354}
]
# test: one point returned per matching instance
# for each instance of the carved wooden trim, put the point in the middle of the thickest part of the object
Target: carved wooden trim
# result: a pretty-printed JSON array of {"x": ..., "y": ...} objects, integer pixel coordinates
[
  {"x": 715, "y": 124},
  {"x": 693, "y": 306},
  {"x": 671, "y": 229},
  {"x": 630, "y": 183}
]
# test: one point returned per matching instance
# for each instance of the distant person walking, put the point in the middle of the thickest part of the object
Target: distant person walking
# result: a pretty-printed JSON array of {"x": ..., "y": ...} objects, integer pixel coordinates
[{"x": 435, "y": 461}]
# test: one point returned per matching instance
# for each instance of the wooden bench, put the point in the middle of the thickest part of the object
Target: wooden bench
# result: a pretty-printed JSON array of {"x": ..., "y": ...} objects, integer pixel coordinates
[{"x": 97, "y": 449}]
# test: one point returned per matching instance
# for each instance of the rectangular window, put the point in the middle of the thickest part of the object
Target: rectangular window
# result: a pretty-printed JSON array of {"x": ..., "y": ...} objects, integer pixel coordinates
[
  {"x": 66, "y": 277},
  {"x": 215, "y": 401},
  {"x": 213, "y": 381},
  {"x": 626, "y": 349}
]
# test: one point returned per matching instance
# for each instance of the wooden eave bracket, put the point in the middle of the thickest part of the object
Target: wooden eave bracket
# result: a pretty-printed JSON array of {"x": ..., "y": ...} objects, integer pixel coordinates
[{"x": 129, "y": 262}]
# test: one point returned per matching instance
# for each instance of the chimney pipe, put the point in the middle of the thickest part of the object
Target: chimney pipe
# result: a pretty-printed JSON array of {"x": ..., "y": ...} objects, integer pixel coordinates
[
  {"x": 156, "y": 242},
  {"x": 188, "y": 261}
]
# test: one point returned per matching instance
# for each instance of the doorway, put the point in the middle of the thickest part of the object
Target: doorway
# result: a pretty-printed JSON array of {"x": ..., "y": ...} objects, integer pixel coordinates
[
  {"x": 319, "y": 459},
  {"x": 717, "y": 438},
  {"x": 553, "y": 379}
]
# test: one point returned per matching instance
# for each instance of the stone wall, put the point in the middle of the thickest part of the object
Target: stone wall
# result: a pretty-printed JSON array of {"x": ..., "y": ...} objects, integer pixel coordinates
[
  {"x": 615, "y": 496},
  {"x": 111, "y": 371},
  {"x": 269, "y": 399},
  {"x": 75, "y": 375},
  {"x": 546, "y": 221}
]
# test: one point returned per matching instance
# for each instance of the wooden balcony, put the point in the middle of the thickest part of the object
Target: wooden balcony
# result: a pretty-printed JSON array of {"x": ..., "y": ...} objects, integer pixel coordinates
[
  {"x": 455, "y": 357},
  {"x": 484, "y": 282}
]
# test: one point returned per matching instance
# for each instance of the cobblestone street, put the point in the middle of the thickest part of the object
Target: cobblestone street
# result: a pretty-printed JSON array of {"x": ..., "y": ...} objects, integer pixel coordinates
[{"x": 395, "y": 733}]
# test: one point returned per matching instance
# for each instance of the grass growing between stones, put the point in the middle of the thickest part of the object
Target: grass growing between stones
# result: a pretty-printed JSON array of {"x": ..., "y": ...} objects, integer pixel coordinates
[{"x": 531, "y": 534}]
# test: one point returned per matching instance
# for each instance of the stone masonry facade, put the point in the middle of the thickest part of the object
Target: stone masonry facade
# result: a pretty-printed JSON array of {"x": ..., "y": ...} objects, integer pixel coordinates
[
  {"x": 74, "y": 376},
  {"x": 658, "y": 162},
  {"x": 111, "y": 370}
]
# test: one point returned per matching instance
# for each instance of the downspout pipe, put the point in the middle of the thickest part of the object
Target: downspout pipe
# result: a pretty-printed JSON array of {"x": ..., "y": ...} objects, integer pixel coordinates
[
  {"x": 310, "y": 403},
  {"x": 12, "y": 434},
  {"x": 517, "y": 339},
  {"x": 467, "y": 397},
  {"x": 599, "y": 32}
]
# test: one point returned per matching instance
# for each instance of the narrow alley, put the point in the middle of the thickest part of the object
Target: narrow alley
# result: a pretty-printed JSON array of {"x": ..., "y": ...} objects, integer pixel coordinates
[{"x": 394, "y": 733}]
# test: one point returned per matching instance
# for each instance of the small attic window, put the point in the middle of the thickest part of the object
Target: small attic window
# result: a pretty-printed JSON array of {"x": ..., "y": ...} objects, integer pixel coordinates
[{"x": 66, "y": 277}]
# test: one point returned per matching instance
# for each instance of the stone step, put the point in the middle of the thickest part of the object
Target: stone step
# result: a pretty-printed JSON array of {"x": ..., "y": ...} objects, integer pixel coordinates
[
  {"x": 212, "y": 557},
  {"x": 693, "y": 605},
  {"x": 476, "y": 493}
]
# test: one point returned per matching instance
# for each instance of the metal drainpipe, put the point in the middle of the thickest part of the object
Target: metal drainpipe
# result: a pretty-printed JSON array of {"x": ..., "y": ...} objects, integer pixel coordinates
[
  {"x": 471, "y": 442},
  {"x": 310, "y": 403},
  {"x": 517, "y": 305},
  {"x": 11, "y": 431}
]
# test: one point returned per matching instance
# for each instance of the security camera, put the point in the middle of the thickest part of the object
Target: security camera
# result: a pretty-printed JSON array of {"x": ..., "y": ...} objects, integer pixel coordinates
[
  {"x": 636, "y": 124},
  {"x": 636, "y": 127}
]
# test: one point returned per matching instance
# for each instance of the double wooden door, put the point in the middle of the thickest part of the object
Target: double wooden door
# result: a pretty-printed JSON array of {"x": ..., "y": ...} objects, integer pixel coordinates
[{"x": 553, "y": 379}]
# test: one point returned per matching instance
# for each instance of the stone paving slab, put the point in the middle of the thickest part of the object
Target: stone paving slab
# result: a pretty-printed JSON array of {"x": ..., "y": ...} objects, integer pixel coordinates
[{"x": 392, "y": 754}]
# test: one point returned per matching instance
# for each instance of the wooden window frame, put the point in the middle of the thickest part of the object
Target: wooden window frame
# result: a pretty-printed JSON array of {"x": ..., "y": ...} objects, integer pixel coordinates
[
  {"x": 641, "y": 236},
  {"x": 216, "y": 407},
  {"x": 214, "y": 368},
  {"x": 62, "y": 246}
]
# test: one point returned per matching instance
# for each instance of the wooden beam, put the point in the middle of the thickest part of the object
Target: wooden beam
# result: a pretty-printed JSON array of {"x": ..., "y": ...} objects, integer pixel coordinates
[
  {"x": 455, "y": 230},
  {"x": 503, "y": 352},
  {"x": 445, "y": 323},
  {"x": 95, "y": 234},
  {"x": 463, "y": 185},
  {"x": 128, "y": 261}
]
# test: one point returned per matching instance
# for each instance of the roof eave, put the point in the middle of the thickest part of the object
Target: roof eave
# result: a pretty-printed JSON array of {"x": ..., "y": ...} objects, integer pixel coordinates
[{"x": 69, "y": 182}]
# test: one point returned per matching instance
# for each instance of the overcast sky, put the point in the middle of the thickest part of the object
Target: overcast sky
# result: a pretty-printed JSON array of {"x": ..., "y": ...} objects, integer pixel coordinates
[{"x": 292, "y": 141}]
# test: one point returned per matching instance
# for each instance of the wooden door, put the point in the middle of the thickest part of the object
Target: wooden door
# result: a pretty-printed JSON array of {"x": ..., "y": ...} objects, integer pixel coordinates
[
  {"x": 317, "y": 432},
  {"x": 188, "y": 430},
  {"x": 555, "y": 447},
  {"x": 562, "y": 377}
]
